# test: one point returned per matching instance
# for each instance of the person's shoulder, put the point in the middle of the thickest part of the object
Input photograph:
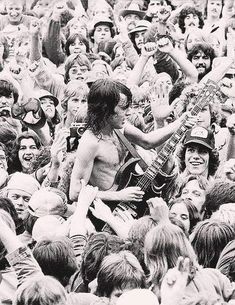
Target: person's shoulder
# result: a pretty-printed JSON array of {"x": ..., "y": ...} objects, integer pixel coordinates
[{"x": 89, "y": 139}]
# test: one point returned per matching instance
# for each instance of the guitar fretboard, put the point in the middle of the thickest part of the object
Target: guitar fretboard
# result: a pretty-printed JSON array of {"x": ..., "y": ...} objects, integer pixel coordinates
[{"x": 206, "y": 94}]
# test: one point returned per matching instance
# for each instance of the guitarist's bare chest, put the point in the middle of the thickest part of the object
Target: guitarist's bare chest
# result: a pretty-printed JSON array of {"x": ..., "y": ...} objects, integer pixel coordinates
[{"x": 111, "y": 152}]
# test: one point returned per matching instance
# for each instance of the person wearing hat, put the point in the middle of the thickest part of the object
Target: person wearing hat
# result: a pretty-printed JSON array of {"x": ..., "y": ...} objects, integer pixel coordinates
[
  {"x": 131, "y": 15},
  {"x": 19, "y": 189},
  {"x": 101, "y": 31},
  {"x": 198, "y": 155},
  {"x": 137, "y": 34}
]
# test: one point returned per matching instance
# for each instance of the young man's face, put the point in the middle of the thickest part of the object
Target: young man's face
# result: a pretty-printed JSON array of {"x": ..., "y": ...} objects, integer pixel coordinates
[
  {"x": 6, "y": 103},
  {"x": 102, "y": 33},
  {"x": 194, "y": 194},
  {"x": 214, "y": 8},
  {"x": 118, "y": 120},
  {"x": 139, "y": 39},
  {"x": 197, "y": 159},
  {"x": 77, "y": 47},
  {"x": 202, "y": 62},
  {"x": 27, "y": 152},
  {"x": 77, "y": 107},
  {"x": 20, "y": 200},
  {"x": 14, "y": 10},
  {"x": 191, "y": 21}
]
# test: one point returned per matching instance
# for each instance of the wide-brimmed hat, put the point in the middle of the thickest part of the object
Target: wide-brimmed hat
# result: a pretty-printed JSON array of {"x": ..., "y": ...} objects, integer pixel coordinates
[
  {"x": 102, "y": 19},
  {"x": 41, "y": 93},
  {"x": 141, "y": 25},
  {"x": 133, "y": 9}
]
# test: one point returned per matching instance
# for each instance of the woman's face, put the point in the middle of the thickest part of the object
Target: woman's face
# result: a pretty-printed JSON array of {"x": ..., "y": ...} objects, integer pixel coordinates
[
  {"x": 77, "y": 107},
  {"x": 194, "y": 194},
  {"x": 77, "y": 72},
  {"x": 48, "y": 107},
  {"x": 41, "y": 7},
  {"x": 139, "y": 39},
  {"x": 214, "y": 8},
  {"x": 14, "y": 10},
  {"x": 27, "y": 153},
  {"x": 77, "y": 47},
  {"x": 180, "y": 212}
]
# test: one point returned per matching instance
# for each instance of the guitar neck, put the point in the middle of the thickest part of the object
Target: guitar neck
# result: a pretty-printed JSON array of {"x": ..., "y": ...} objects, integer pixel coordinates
[{"x": 205, "y": 96}]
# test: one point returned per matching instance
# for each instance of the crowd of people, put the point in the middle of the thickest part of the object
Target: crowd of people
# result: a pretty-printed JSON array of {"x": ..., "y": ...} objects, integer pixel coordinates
[{"x": 117, "y": 152}]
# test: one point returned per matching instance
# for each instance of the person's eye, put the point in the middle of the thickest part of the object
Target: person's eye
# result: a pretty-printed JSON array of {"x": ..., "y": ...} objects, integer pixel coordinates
[
  {"x": 197, "y": 194},
  {"x": 22, "y": 147},
  {"x": 83, "y": 101},
  {"x": 73, "y": 44},
  {"x": 173, "y": 214},
  {"x": 184, "y": 217},
  {"x": 184, "y": 192},
  {"x": 33, "y": 147},
  {"x": 26, "y": 199}
]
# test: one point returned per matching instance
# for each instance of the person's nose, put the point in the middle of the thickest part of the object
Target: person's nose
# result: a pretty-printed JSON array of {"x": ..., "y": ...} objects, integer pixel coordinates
[{"x": 20, "y": 202}]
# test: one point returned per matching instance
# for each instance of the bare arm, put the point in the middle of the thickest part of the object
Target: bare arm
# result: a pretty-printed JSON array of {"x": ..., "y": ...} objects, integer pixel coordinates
[{"x": 166, "y": 46}]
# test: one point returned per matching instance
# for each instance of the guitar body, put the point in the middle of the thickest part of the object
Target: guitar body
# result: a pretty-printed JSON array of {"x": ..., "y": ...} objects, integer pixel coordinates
[{"x": 127, "y": 177}]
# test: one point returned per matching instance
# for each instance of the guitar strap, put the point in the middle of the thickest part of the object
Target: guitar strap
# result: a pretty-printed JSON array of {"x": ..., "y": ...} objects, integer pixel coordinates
[{"x": 131, "y": 149}]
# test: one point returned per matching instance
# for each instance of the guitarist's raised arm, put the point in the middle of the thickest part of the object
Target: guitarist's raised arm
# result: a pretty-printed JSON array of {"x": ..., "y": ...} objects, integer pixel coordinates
[{"x": 159, "y": 136}]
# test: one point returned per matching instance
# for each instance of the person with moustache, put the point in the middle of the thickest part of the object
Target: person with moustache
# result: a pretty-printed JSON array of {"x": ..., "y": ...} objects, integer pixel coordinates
[{"x": 201, "y": 55}]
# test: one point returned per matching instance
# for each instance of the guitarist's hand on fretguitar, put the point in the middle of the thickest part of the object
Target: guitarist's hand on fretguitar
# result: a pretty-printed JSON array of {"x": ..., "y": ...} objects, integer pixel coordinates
[
  {"x": 132, "y": 193},
  {"x": 188, "y": 119}
]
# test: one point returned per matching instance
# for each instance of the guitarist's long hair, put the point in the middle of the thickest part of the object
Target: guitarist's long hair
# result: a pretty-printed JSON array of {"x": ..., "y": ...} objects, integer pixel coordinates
[{"x": 103, "y": 97}]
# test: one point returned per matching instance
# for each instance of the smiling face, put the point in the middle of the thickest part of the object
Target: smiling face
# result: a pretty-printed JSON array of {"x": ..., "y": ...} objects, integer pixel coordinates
[
  {"x": 197, "y": 159},
  {"x": 14, "y": 10},
  {"x": 27, "y": 152},
  {"x": 202, "y": 62}
]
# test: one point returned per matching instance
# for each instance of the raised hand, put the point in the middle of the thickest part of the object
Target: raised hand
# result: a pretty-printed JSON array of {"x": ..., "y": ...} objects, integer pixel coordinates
[
  {"x": 164, "y": 13},
  {"x": 122, "y": 28},
  {"x": 159, "y": 100},
  {"x": 132, "y": 193},
  {"x": 34, "y": 29},
  {"x": 149, "y": 49},
  {"x": 58, "y": 147},
  {"x": 101, "y": 210},
  {"x": 227, "y": 86},
  {"x": 165, "y": 45},
  {"x": 159, "y": 210},
  {"x": 87, "y": 194},
  {"x": 174, "y": 282}
]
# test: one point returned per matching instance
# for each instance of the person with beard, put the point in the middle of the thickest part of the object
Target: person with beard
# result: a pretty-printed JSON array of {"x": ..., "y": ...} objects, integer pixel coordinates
[
  {"x": 201, "y": 55},
  {"x": 190, "y": 18}
]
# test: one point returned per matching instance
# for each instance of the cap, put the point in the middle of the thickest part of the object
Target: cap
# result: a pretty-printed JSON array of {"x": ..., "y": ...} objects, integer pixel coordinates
[
  {"x": 41, "y": 93},
  {"x": 48, "y": 201},
  {"x": 141, "y": 25},
  {"x": 201, "y": 136},
  {"x": 102, "y": 19},
  {"x": 133, "y": 9},
  {"x": 23, "y": 182}
]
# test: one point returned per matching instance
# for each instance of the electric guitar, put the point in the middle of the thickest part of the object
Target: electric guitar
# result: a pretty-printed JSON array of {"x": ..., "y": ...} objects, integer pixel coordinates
[{"x": 147, "y": 181}]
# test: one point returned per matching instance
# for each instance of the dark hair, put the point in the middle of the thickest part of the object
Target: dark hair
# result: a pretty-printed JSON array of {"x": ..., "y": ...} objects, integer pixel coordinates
[
  {"x": 118, "y": 61},
  {"x": 176, "y": 90},
  {"x": 71, "y": 39},
  {"x": 24, "y": 135},
  {"x": 185, "y": 12},
  {"x": 7, "y": 89},
  {"x": 209, "y": 239},
  {"x": 98, "y": 246},
  {"x": 103, "y": 97},
  {"x": 56, "y": 257},
  {"x": 7, "y": 205},
  {"x": 194, "y": 216},
  {"x": 213, "y": 159},
  {"x": 226, "y": 262},
  {"x": 205, "y": 48},
  {"x": 112, "y": 31},
  {"x": 220, "y": 192},
  {"x": 118, "y": 271}
]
